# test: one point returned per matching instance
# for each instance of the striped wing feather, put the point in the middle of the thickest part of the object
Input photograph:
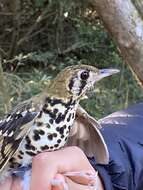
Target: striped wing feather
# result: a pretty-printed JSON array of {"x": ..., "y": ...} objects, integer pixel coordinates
[{"x": 12, "y": 131}]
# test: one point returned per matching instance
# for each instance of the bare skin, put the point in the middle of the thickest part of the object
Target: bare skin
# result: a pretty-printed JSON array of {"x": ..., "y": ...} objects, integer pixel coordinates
[{"x": 53, "y": 165}]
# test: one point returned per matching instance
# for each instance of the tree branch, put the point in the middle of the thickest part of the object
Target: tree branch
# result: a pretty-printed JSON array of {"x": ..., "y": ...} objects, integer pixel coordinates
[
  {"x": 16, "y": 25},
  {"x": 3, "y": 90},
  {"x": 125, "y": 25},
  {"x": 40, "y": 18},
  {"x": 139, "y": 5}
]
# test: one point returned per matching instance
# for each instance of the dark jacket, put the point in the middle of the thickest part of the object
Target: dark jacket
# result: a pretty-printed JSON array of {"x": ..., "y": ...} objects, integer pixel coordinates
[{"x": 123, "y": 134}]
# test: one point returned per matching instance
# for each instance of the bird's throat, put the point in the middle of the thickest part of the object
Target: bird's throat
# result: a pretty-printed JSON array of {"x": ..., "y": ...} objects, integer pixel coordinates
[{"x": 58, "y": 110}]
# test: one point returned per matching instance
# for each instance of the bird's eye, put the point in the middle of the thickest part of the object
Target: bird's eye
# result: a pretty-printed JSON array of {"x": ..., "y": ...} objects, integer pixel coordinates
[{"x": 84, "y": 75}]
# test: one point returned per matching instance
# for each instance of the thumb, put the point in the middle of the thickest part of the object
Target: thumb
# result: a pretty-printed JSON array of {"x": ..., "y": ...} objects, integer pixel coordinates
[{"x": 59, "y": 183}]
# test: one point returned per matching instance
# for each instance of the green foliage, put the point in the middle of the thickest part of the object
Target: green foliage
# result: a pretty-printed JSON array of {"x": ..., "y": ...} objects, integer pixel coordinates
[
  {"x": 50, "y": 35},
  {"x": 40, "y": 3}
]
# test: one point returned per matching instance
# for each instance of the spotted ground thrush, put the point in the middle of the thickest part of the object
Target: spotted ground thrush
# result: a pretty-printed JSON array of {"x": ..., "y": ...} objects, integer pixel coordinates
[{"x": 52, "y": 120}]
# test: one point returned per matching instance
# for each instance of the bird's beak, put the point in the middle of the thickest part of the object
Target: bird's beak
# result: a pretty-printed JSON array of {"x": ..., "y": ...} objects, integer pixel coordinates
[{"x": 105, "y": 73}]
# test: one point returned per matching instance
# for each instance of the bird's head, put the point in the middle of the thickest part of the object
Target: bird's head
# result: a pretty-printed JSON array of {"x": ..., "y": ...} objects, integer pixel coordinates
[{"x": 76, "y": 80}]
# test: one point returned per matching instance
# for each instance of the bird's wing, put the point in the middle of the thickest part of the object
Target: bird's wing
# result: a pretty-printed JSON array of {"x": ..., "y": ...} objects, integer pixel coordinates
[
  {"x": 13, "y": 129},
  {"x": 85, "y": 134}
]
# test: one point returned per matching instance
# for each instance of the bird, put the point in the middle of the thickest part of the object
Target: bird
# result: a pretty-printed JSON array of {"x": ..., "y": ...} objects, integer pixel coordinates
[{"x": 53, "y": 119}]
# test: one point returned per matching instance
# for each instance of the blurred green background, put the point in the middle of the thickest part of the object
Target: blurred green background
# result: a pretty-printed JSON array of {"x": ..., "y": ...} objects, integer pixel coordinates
[{"x": 38, "y": 38}]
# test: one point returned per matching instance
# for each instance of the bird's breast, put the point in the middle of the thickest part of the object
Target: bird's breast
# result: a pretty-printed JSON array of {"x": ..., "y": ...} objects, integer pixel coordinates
[{"x": 49, "y": 132}]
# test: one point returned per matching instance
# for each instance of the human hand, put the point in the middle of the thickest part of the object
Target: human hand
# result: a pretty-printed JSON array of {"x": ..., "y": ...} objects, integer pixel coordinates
[
  {"x": 59, "y": 162},
  {"x": 61, "y": 180},
  {"x": 56, "y": 165},
  {"x": 79, "y": 181},
  {"x": 11, "y": 184}
]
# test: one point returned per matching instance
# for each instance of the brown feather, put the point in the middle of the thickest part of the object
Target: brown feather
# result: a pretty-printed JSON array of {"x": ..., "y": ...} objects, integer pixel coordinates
[{"x": 85, "y": 134}]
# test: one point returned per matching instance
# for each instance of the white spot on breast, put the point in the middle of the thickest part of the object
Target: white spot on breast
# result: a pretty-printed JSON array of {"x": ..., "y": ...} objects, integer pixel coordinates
[
  {"x": 44, "y": 119},
  {"x": 60, "y": 107}
]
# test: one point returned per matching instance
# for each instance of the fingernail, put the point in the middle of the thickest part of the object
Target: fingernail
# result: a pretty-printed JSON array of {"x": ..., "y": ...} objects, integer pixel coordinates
[
  {"x": 65, "y": 186},
  {"x": 88, "y": 175},
  {"x": 59, "y": 182},
  {"x": 74, "y": 173},
  {"x": 92, "y": 176},
  {"x": 56, "y": 182},
  {"x": 71, "y": 173}
]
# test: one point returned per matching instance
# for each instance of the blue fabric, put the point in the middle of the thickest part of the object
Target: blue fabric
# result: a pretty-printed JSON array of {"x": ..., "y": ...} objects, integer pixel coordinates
[{"x": 123, "y": 134}]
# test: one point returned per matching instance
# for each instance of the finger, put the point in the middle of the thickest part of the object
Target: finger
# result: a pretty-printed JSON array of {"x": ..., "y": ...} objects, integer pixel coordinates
[
  {"x": 95, "y": 184},
  {"x": 72, "y": 163},
  {"x": 82, "y": 177},
  {"x": 75, "y": 186},
  {"x": 16, "y": 184},
  {"x": 59, "y": 183},
  {"x": 49, "y": 165},
  {"x": 43, "y": 171},
  {"x": 6, "y": 185}
]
